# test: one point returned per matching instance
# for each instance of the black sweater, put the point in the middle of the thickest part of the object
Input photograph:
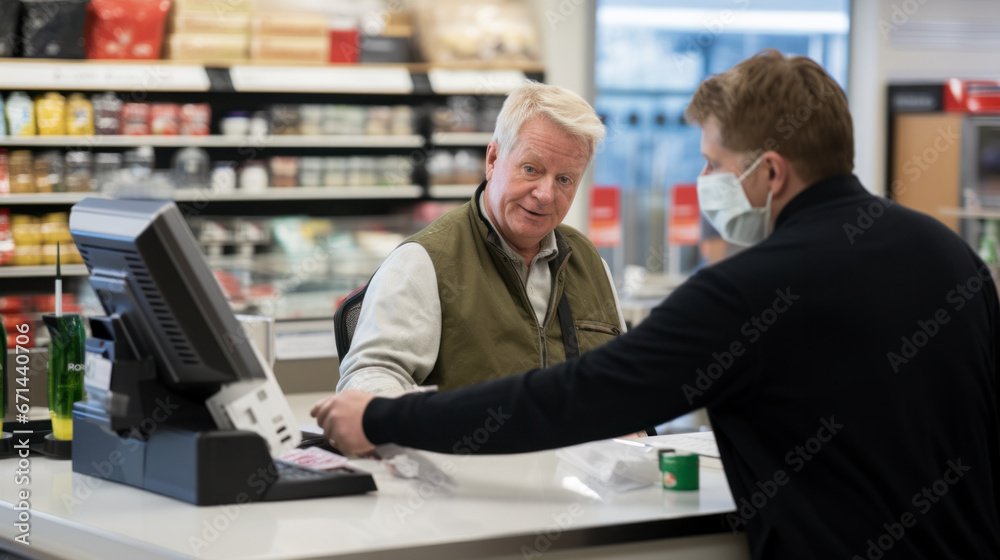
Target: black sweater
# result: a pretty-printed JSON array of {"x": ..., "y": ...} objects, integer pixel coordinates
[{"x": 848, "y": 364}]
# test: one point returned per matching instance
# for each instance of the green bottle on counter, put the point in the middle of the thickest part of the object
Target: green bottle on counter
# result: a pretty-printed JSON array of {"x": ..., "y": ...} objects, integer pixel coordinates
[
  {"x": 989, "y": 242},
  {"x": 66, "y": 369}
]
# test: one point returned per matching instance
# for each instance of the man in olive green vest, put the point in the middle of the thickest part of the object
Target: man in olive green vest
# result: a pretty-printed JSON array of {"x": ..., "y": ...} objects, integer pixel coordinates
[{"x": 496, "y": 286}]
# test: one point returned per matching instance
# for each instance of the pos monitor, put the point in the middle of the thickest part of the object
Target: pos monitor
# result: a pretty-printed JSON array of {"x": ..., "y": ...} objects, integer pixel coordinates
[{"x": 174, "y": 385}]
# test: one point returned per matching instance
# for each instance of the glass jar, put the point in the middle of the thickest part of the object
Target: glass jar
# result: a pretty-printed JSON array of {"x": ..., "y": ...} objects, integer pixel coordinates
[
  {"x": 253, "y": 176},
  {"x": 191, "y": 168},
  {"x": 79, "y": 171},
  {"x": 22, "y": 172}
]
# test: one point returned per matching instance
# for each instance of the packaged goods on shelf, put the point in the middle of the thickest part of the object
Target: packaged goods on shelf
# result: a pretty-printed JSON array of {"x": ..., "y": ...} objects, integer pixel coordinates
[
  {"x": 135, "y": 119},
  {"x": 253, "y": 176},
  {"x": 191, "y": 169},
  {"x": 471, "y": 30},
  {"x": 4, "y": 173},
  {"x": 212, "y": 21},
  {"x": 10, "y": 39},
  {"x": 215, "y": 6},
  {"x": 289, "y": 37},
  {"x": 235, "y": 124},
  {"x": 107, "y": 113},
  {"x": 165, "y": 119},
  {"x": 53, "y": 28},
  {"x": 22, "y": 172},
  {"x": 206, "y": 47},
  {"x": 284, "y": 171},
  {"x": 50, "y": 113},
  {"x": 79, "y": 171},
  {"x": 3, "y": 119},
  {"x": 464, "y": 167},
  {"x": 79, "y": 115},
  {"x": 20, "y": 114},
  {"x": 6, "y": 238},
  {"x": 196, "y": 119},
  {"x": 279, "y": 24},
  {"x": 289, "y": 49},
  {"x": 106, "y": 165},
  {"x": 125, "y": 29},
  {"x": 49, "y": 172}
]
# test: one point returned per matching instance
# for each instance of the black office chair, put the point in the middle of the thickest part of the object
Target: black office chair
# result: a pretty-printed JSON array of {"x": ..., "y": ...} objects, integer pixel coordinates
[{"x": 345, "y": 320}]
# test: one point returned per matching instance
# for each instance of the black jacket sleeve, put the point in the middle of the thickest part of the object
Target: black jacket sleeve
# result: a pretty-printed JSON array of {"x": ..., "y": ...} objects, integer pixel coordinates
[{"x": 687, "y": 354}]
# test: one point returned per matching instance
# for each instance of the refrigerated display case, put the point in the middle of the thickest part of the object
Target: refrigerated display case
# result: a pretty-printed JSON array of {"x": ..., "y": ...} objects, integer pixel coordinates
[{"x": 649, "y": 59}]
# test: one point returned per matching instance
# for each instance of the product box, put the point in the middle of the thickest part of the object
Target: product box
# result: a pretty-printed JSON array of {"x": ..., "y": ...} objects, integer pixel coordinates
[
  {"x": 125, "y": 29},
  {"x": 190, "y": 46},
  {"x": 210, "y": 22},
  {"x": 288, "y": 25},
  {"x": 10, "y": 38},
  {"x": 53, "y": 28},
  {"x": 4, "y": 179},
  {"x": 290, "y": 49}
]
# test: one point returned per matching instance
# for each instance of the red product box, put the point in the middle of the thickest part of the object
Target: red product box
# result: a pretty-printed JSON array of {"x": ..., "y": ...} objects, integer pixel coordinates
[
  {"x": 125, "y": 29},
  {"x": 13, "y": 304},
  {"x": 15, "y": 337},
  {"x": 47, "y": 303},
  {"x": 196, "y": 119},
  {"x": 165, "y": 119},
  {"x": 135, "y": 119}
]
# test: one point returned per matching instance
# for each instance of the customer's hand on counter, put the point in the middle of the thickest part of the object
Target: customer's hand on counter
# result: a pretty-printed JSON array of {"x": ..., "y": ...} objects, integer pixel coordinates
[{"x": 340, "y": 417}]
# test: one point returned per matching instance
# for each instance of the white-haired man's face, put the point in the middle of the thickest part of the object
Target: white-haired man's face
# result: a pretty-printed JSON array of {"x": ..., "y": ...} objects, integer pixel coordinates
[{"x": 529, "y": 192}]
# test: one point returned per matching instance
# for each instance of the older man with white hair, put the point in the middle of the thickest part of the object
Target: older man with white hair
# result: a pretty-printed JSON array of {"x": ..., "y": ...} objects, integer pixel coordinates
[{"x": 496, "y": 286}]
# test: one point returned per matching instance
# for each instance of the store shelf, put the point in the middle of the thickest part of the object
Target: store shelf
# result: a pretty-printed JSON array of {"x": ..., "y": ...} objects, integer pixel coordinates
[
  {"x": 44, "y": 198},
  {"x": 102, "y": 75},
  {"x": 981, "y": 214},
  {"x": 453, "y": 191},
  {"x": 41, "y": 271},
  {"x": 459, "y": 139},
  {"x": 302, "y": 193},
  {"x": 218, "y": 141},
  {"x": 192, "y": 195}
]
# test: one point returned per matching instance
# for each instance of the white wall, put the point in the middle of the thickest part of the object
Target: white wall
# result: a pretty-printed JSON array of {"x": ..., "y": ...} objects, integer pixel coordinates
[
  {"x": 567, "y": 30},
  {"x": 910, "y": 41}
]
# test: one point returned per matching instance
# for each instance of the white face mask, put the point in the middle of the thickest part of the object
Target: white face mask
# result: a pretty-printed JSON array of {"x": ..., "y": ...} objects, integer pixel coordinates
[{"x": 725, "y": 204}]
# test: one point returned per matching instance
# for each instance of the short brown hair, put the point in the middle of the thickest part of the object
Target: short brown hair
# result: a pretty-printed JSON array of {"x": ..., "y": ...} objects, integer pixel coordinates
[{"x": 789, "y": 105}]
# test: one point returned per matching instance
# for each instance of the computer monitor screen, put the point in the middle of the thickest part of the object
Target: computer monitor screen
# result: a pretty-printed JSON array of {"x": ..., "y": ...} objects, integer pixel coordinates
[{"x": 145, "y": 266}]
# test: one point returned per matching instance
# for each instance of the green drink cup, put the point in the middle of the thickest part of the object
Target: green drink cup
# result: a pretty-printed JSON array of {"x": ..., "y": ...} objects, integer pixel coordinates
[
  {"x": 679, "y": 470},
  {"x": 66, "y": 370}
]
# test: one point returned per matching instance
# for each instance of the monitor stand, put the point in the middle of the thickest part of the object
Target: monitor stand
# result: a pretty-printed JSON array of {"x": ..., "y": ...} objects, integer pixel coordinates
[{"x": 141, "y": 433}]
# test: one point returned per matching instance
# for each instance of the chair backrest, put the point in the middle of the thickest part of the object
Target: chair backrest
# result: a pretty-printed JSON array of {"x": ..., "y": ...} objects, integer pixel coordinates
[{"x": 345, "y": 320}]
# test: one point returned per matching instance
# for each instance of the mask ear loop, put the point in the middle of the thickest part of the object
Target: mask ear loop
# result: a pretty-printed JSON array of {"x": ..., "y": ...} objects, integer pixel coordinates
[{"x": 751, "y": 168}]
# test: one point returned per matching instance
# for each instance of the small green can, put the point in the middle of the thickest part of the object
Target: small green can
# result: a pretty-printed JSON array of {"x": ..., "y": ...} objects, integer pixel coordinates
[{"x": 679, "y": 470}]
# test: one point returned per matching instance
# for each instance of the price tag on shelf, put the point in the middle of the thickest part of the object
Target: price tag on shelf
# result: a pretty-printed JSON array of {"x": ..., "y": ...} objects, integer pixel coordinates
[
  {"x": 475, "y": 82},
  {"x": 322, "y": 79},
  {"x": 89, "y": 76}
]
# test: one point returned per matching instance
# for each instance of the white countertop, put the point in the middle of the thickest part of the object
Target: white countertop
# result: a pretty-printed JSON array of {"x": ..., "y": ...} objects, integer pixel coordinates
[{"x": 501, "y": 503}]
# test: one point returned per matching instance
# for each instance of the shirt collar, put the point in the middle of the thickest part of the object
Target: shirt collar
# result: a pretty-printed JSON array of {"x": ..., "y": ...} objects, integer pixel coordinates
[{"x": 547, "y": 251}]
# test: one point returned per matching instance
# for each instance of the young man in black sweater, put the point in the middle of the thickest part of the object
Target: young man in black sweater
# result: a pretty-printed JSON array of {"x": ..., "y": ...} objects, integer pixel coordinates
[{"x": 847, "y": 359}]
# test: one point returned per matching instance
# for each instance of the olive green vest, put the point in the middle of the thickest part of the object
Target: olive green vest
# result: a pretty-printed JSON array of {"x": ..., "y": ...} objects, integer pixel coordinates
[{"x": 488, "y": 327}]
